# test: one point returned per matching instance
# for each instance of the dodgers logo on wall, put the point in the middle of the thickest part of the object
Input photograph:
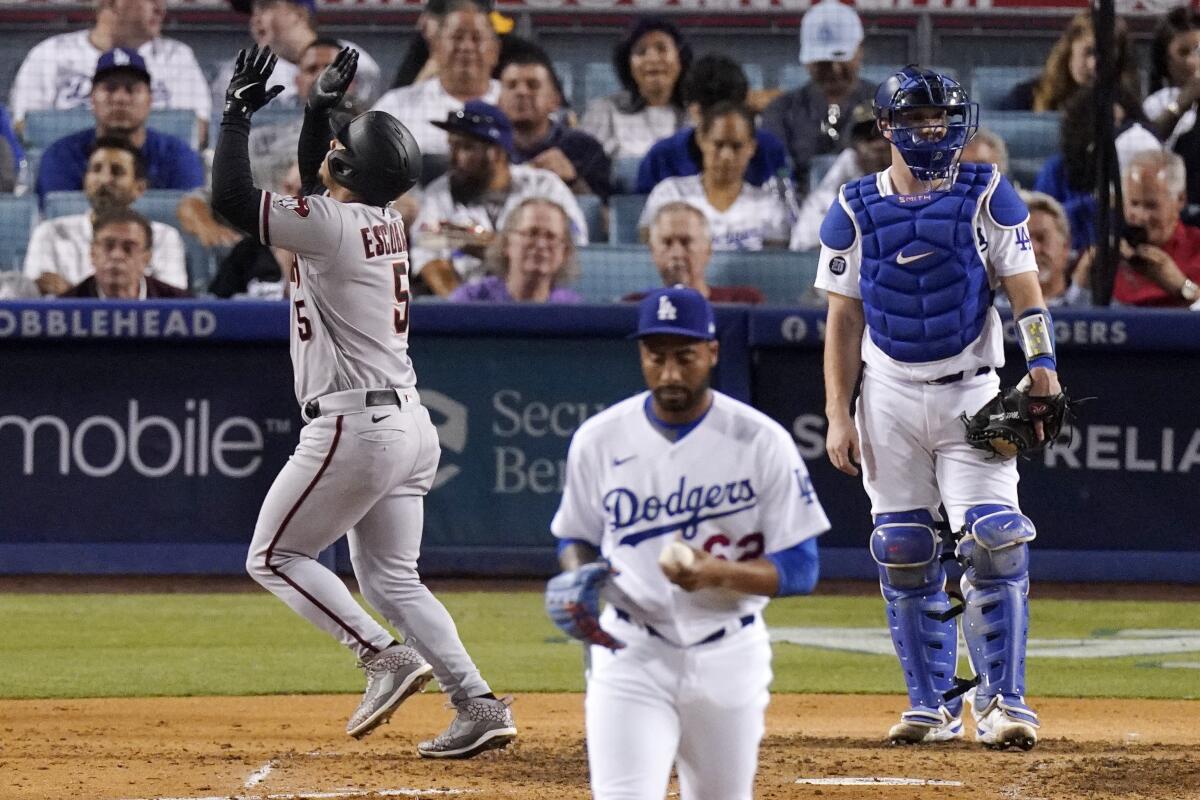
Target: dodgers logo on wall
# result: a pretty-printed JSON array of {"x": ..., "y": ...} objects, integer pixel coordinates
[{"x": 837, "y": 265}]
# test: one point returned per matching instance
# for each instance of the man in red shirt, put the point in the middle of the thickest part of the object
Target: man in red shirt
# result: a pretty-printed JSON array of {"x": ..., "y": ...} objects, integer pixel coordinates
[
  {"x": 681, "y": 246},
  {"x": 1160, "y": 264}
]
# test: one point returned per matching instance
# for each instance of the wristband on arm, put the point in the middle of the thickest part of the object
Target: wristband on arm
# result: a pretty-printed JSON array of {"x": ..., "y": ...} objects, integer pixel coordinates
[{"x": 1035, "y": 334}]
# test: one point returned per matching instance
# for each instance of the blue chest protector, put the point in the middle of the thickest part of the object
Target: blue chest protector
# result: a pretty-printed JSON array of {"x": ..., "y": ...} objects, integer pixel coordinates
[{"x": 924, "y": 287}]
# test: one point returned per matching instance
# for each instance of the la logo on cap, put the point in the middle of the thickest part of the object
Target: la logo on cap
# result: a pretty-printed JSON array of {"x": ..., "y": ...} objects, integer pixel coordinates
[
  {"x": 666, "y": 309},
  {"x": 120, "y": 58}
]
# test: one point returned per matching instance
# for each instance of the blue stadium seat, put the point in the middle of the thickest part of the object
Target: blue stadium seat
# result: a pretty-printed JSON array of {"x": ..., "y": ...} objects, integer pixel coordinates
[
  {"x": 623, "y": 213},
  {"x": 201, "y": 263},
  {"x": 156, "y": 204},
  {"x": 593, "y": 215},
  {"x": 990, "y": 85},
  {"x": 44, "y": 127},
  {"x": 817, "y": 167},
  {"x": 609, "y": 272},
  {"x": 160, "y": 205},
  {"x": 599, "y": 80},
  {"x": 624, "y": 174},
  {"x": 565, "y": 70},
  {"x": 754, "y": 75},
  {"x": 18, "y": 213},
  {"x": 1031, "y": 138},
  {"x": 783, "y": 276},
  {"x": 63, "y": 204}
]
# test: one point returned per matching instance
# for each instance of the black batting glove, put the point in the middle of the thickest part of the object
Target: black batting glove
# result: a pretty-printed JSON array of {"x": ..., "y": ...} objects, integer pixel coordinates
[
  {"x": 326, "y": 94},
  {"x": 248, "y": 90}
]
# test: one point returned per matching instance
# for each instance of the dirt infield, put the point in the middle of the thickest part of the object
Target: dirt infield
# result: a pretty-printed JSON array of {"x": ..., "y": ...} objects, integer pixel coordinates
[{"x": 294, "y": 746}]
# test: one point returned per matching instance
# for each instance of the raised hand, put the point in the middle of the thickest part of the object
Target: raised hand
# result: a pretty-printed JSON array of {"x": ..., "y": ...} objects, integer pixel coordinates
[
  {"x": 331, "y": 86},
  {"x": 248, "y": 90}
]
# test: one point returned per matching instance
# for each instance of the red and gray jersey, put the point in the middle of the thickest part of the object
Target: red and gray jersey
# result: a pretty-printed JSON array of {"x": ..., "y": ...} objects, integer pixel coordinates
[{"x": 349, "y": 292}]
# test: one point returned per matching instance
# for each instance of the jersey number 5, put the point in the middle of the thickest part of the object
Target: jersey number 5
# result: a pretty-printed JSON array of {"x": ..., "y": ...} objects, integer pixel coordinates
[{"x": 400, "y": 311}]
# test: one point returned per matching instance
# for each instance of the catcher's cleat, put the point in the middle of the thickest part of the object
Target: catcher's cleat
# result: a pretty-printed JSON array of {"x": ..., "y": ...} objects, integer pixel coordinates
[
  {"x": 481, "y": 724},
  {"x": 1006, "y": 723},
  {"x": 394, "y": 674},
  {"x": 923, "y": 726}
]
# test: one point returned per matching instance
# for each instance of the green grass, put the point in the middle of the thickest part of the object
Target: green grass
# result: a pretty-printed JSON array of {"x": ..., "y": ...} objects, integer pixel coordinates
[{"x": 109, "y": 645}]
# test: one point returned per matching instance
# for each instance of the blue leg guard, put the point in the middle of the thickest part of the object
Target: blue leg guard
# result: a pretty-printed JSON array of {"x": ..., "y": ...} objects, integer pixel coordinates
[
  {"x": 907, "y": 548},
  {"x": 996, "y": 622}
]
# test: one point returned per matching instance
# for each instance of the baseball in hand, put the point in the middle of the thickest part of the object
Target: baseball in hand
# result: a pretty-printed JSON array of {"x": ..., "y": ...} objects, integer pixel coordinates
[{"x": 676, "y": 555}]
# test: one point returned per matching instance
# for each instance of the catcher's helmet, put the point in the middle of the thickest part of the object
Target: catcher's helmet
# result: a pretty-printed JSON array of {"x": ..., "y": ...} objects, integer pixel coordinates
[
  {"x": 381, "y": 160},
  {"x": 930, "y": 148}
]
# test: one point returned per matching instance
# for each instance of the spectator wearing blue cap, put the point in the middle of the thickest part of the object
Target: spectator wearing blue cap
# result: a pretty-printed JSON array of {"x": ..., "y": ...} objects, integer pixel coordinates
[
  {"x": 814, "y": 119},
  {"x": 462, "y": 209},
  {"x": 650, "y": 62},
  {"x": 121, "y": 104},
  {"x": 57, "y": 73},
  {"x": 465, "y": 50}
]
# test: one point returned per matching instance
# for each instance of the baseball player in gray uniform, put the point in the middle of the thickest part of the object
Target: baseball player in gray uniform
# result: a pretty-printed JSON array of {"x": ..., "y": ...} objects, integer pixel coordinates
[{"x": 368, "y": 453}]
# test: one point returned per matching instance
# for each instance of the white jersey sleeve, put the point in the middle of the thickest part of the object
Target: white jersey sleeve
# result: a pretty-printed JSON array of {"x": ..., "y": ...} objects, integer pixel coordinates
[
  {"x": 1009, "y": 250},
  {"x": 39, "y": 255},
  {"x": 168, "y": 260},
  {"x": 580, "y": 513},
  {"x": 838, "y": 270},
  {"x": 311, "y": 226},
  {"x": 34, "y": 86},
  {"x": 791, "y": 511}
]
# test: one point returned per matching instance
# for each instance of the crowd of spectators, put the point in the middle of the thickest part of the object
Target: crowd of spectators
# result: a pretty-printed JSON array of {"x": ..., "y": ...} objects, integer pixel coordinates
[{"x": 516, "y": 181}]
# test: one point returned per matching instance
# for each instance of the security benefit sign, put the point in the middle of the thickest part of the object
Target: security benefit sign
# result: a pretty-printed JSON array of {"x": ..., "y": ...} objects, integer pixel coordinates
[
  {"x": 140, "y": 442},
  {"x": 506, "y": 410}
]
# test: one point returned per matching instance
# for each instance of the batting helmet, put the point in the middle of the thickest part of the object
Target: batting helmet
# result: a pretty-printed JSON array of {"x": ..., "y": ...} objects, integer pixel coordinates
[
  {"x": 929, "y": 143},
  {"x": 381, "y": 160}
]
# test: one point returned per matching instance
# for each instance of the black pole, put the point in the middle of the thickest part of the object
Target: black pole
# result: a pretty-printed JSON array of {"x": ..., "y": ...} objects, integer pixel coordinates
[{"x": 1109, "y": 216}]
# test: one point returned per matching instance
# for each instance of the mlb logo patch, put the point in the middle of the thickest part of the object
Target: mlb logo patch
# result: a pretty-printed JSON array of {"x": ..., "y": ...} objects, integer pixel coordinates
[
  {"x": 297, "y": 205},
  {"x": 837, "y": 265}
]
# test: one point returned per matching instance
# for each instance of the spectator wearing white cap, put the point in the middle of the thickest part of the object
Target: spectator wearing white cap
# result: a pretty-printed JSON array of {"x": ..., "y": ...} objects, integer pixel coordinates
[{"x": 813, "y": 119}]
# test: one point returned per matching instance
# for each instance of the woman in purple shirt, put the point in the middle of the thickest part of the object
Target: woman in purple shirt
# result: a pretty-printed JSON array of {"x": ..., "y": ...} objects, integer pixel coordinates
[{"x": 529, "y": 261}]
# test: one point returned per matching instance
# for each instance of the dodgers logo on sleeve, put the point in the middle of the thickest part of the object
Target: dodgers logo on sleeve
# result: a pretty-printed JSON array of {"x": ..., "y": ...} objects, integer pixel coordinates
[
  {"x": 297, "y": 205},
  {"x": 837, "y": 265}
]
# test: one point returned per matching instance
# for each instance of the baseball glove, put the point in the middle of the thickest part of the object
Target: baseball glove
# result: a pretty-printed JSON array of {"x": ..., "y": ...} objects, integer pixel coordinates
[
  {"x": 1005, "y": 426},
  {"x": 573, "y": 603}
]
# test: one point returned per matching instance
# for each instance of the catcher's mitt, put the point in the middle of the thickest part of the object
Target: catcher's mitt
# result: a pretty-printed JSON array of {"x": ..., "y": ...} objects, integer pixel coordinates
[
  {"x": 1004, "y": 427},
  {"x": 573, "y": 603}
]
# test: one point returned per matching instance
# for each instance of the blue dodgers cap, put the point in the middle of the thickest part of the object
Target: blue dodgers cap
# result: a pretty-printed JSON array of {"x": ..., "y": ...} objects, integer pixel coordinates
[
  {"x": 678, "y": 311},
  {"x": 121, "y": 59},
  {"x": 482, "y": 121}
]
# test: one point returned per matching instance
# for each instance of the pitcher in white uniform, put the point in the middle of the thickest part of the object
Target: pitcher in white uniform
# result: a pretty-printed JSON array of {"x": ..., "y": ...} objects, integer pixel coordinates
[
  {"x": 679, "y": 669},
  {"x": 912, "y": 257},
  {"x": 368, "y": 453}
]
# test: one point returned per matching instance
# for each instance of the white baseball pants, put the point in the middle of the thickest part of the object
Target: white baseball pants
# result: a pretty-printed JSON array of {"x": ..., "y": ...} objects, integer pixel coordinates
[
  {"x": 654, "y": 704},
  {"x": 349, "y": 473},
  {"x": 914, "y": 449}
]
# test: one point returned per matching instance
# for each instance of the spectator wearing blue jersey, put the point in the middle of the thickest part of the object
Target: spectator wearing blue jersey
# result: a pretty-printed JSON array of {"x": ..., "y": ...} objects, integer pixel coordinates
[
  {"x": 712, "y": 79},
  {"x": 121, "y": 104}
]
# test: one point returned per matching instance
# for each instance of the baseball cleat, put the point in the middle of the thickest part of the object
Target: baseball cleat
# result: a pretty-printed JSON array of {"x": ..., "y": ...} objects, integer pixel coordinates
[
  {"x": 481, "y": 724},
  {"x": 922, "y": 726},
  {"x": 394, "y": 674},
  {"x": 1006, "y": 723}
]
